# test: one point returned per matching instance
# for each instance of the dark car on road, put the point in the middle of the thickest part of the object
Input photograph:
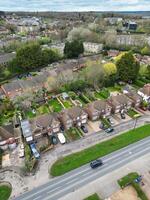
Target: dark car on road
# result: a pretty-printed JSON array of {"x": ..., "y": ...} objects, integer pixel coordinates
[
  {"x": 96, "y": 163},
  {"x": 109, "y": 130},
  {"x": 84, "y": 129}
]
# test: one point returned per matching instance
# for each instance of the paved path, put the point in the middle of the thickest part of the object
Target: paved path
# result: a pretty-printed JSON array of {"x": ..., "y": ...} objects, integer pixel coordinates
[{"x": 61, "y": 186}]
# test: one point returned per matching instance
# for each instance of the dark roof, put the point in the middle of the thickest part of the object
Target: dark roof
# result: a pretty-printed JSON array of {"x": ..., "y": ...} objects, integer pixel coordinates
[{"x": 7, "y": 132}]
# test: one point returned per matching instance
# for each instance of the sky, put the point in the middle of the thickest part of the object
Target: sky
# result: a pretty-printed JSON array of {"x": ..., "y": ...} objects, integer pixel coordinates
[{"x": 75, "y": 5}]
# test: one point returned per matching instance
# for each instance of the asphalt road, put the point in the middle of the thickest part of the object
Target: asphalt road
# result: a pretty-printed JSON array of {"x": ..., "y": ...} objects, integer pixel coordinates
[{"x": 61, "y": 186}]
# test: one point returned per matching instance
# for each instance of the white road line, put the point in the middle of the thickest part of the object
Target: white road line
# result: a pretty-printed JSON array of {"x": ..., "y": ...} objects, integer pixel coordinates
[{"x": 39, "y": 197}]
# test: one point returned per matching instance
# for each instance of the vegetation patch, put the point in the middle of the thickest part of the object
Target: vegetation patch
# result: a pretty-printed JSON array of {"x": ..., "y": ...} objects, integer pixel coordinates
[
  {"x": 5, "y": 191},
  {"x": 93, "y": 197},
  {"x": 130, "y": 179},
  {"x": 104, "y": 94},
  {"x": 55, "y": 105},
  {"x": 43, "y": 109},
  {"x": 133, "y": 114},
  {"x": 78, "y": 159},
  {"x": 73, "y": 134}
]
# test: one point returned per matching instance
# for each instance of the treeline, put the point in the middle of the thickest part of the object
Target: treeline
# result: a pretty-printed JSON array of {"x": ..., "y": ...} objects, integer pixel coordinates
[{"x": 31, "y": 56}]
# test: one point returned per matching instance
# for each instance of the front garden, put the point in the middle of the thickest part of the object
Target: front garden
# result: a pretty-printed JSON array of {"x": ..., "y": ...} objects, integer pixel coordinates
[
  {"x": 132, "y": 113},
  {"x": 73, "y": 134}
]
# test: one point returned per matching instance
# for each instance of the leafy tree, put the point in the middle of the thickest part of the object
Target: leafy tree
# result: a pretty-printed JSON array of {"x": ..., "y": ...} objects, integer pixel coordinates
[
  {"x": 145, "y": 50},
  {"x": 93, "y": 74},
  {"x": 49, "y": 56},
  {"x": 73, "y": 49},
  {"x": 29, "y": 56},
  {"x": 148, "y": 70},
  {"x": 128, "y": 67},
  {"x": 110, "y": 68}
]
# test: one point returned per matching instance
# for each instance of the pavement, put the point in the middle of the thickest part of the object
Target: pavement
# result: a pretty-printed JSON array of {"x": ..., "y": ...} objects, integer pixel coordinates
[{"x": 70, "y": 182}]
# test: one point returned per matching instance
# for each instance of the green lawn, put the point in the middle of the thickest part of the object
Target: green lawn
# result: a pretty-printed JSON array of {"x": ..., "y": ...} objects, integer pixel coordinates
[
  {"x": 29, "y": 114},
  {"x": 55, "y": 105},
  {"x": 43, "y": 109},
  {"x": 67, "y": 103},
  {"x": 93, "y": 197},
  {"x": 73, "y": 134},
  {"x": 126, "y": 180},
  {"x": 78, "y": 159},
  {"x": 115, "y": 88},
  {"x": 103, "y": 94},
  {"x": 5, "y": 192},
  {"x": 130, "y": 180},
  {"x": 132, "y": 113},
  {"x": 105, "y": 122}
]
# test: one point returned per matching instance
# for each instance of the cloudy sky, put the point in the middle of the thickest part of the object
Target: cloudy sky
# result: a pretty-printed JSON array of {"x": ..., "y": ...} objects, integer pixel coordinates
[{"x": 75, "y": 5}]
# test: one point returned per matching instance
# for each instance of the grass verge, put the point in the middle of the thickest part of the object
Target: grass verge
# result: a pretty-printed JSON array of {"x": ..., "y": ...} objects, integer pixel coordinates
[
  {"x": 78, "y": 159},
  {"x": 93, "y": 197},
  {"x": 5, "y": 192},
  {"x": 130, "y": 180}
]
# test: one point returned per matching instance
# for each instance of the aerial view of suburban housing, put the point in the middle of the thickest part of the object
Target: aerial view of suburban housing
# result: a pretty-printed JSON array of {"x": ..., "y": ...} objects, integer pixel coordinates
[{"x": 75, "y": 100}]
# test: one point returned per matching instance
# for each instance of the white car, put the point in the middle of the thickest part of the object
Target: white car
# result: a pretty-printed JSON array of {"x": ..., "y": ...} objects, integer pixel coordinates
[{"x": 61, "y": 138}]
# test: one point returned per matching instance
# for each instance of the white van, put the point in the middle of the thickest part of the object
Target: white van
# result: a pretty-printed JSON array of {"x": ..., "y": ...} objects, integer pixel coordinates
[{"x": 61, "y": 138}]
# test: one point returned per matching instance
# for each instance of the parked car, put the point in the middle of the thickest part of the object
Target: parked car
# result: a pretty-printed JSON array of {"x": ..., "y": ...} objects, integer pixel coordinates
[
  {"x": 109, "y": 130},
  {"x": 62, "y": 128},
  {"x": 122, "y": 115},
  {"x": 96, "y": 163},
  {"x": 53, "y": 139},
  {"x": 110, "y": 121},
  {"x": 84, "y": 129},
  {"x": 61, "y": 138},
  {"x": 34, "y": 151}
]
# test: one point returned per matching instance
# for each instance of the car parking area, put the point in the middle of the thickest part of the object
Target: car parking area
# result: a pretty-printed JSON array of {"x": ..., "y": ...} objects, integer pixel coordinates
[
  {"x": 93, "y": 126},
  {"x": 114, "y": 121},
  {"x": 118, "y": 118}
]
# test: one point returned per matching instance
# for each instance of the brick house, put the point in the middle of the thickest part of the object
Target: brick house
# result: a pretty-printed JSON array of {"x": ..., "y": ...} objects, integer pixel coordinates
[
  {"x": 74, "y": 116},
  {"x": 97, "y": 109},
  {"x": 120, "y": 102},
  {"x": 145, "y": 92},
  {"x": 132, "y": 94},
  {"x": 46, "y": 124}
]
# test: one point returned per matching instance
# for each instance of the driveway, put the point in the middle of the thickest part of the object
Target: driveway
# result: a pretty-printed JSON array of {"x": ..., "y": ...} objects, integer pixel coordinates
[
  {"x": 120, "y": 120},
  {"x": 94, "y": 126}
]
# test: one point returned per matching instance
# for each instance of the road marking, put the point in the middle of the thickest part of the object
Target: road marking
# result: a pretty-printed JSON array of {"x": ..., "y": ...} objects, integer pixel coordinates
[{"x": 39, "y": 197}]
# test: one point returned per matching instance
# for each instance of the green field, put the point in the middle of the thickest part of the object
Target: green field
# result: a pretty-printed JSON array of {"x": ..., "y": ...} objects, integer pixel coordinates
[
  {"x": 93, "y": 197},
  {"x": 78, "y": 159},
  {"x": 5, "y": 192}
]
